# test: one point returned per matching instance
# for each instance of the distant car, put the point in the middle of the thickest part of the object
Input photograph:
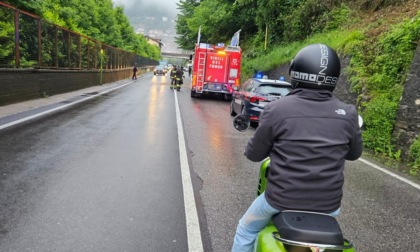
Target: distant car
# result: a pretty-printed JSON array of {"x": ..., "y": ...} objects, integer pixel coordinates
[
  {"x": 165, "y": 67},
  {"x": 254, "y": 94},
  {"x": 159, "y": 70}
]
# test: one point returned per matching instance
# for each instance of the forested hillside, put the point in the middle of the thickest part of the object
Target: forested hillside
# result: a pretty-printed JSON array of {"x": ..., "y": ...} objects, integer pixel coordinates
[
  {"x": 96, "y": 19},
  {"x": 378, "y": 36}
]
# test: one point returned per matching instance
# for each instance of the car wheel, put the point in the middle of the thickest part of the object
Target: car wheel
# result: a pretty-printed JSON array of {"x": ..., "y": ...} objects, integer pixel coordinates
[
  {"x": 232, "y": 110},
  {"x": 193, "y": 94}
]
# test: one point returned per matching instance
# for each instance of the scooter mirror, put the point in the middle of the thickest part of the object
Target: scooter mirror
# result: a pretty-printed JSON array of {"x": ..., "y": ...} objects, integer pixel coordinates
[
  {"x": 241, "y": 123},
  {"x": 360, "y": 121}
]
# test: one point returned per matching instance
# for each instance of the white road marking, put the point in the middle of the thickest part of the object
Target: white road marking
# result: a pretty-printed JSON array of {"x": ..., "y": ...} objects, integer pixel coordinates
[
  {"x": 193, "y": 226},
  {"x": 7, "y": 125},
  {"x": 390, "y": 173}
]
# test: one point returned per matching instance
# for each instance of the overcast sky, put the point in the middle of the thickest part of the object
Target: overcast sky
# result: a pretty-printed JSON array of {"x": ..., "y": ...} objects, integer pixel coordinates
[
  {"x": 154, "y": 8},
  {"x": 165, "y": 5}
]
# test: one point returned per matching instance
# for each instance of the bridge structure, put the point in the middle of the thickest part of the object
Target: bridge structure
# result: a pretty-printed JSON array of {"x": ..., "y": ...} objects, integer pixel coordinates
[{"x": 176, "y": 55}]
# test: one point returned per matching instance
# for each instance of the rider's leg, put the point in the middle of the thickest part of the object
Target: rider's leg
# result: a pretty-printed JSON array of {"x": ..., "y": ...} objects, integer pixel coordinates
[
  {"x": 254, "y": 220},
  {"x": 257, "y": 216},
  {"x": 335, "y": 213}
]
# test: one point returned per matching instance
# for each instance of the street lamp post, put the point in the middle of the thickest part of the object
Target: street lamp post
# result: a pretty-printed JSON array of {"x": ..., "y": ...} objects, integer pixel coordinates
[{"x": 102, "y": 53}]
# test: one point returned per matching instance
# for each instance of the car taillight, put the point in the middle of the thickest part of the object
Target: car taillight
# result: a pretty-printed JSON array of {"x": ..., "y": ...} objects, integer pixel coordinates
[
  {"x": 257, "y": 99},
  {"x": 253, "y": 118}
]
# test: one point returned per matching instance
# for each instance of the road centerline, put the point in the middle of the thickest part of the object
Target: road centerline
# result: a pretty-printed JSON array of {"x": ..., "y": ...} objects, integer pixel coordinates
[{"x": 193, "y": 226}]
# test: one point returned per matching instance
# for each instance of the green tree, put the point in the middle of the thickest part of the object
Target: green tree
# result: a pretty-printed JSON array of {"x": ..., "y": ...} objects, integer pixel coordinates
[
  {"x": 7, "y": 42},
  {"x": 211, "y": 17},
  {"x": 32, "y": 6},
  {"x": 218, "y": 19},
  {"x": 186, "y": 37},
  {"x": 99, "y": 20},
  {"x": 127, "y": 38}
]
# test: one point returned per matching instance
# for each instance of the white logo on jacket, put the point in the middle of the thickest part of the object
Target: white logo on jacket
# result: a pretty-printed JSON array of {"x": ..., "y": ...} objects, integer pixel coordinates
[{"x": 340, "y": 112}]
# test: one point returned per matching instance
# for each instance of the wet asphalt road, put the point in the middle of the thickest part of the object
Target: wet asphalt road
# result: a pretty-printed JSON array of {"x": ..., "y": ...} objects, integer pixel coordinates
[
  {"x": 101, "y": 176},
  {"x": 104, "y": 176}
]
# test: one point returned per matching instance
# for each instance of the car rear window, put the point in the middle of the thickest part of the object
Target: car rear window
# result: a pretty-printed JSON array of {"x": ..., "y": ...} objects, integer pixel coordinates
[
  {"x": 159, "y": 67},
  {"x": 274, "y": 90}
]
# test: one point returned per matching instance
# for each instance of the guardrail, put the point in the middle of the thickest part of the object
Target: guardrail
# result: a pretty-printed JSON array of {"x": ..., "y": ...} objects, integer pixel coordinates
[{"x": 28, "y": 41}]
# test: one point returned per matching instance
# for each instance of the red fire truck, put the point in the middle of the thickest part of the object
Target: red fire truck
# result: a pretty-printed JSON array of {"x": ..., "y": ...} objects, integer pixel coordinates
[{"x": 216, "y": 70}]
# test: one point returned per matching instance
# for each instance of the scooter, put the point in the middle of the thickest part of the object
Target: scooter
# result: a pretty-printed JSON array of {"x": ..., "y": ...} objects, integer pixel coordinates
[{"x": 296, "y": 231}]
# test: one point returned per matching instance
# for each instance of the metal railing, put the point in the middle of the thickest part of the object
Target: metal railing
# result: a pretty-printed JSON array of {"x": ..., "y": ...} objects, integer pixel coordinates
[{"x": 27, "y": 41}]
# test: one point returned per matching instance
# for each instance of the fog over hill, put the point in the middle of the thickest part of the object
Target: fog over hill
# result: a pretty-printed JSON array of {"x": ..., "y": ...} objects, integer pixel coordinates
[{"x": 154, "y": 18}]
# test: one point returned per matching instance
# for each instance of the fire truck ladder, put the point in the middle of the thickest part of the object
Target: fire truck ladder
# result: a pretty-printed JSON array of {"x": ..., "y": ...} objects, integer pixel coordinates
[{"x": 200, "y": 71}]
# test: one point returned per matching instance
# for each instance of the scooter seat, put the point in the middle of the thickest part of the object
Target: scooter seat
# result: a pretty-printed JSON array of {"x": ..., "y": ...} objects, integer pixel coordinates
[{"x": 308, "y": 227}]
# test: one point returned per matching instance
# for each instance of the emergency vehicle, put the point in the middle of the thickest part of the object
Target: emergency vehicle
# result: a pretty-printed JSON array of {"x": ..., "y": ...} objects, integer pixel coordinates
[{"x": 216, "y": 70}]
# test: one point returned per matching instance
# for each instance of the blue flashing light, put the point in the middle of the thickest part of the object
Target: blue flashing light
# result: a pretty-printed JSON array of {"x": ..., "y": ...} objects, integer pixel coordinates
[
  {"x": 281, "y": 78},
  {"x": 259, "y": 75}
]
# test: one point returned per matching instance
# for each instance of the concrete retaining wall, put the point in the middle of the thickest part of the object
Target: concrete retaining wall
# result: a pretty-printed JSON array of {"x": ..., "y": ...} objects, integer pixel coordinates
[
  {"x": 407, "y": 126},
  {"x": 18, "y": 85}
]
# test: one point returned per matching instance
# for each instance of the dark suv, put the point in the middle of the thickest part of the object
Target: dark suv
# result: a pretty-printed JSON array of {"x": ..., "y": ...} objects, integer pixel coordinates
[{"x": 254, "y": 94}]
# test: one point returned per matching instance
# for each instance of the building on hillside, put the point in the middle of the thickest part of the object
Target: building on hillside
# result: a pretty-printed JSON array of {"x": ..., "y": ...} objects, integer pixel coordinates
[
  {"x": 140, "y": 30},
  {"x": 154, "y": 41}
]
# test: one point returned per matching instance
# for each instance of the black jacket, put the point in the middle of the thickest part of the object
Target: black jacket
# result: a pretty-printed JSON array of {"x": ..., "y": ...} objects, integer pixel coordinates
[
  {"x": 179, "y": 73},
  {"x": 308, "y": 135}
]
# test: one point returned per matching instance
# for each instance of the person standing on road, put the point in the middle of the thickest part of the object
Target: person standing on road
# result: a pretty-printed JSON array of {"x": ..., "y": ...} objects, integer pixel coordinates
[
  {"x": 179, "y": 76},
  {"x": 308, "y": 135},
  {"x": 173, "y": 76},
  {"x": 134, "y": 77},
  {"x": 189, "y": 71}
]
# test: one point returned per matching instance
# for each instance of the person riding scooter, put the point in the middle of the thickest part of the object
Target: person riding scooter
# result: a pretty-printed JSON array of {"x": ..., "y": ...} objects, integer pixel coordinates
[{"x": 308, "y": 135}]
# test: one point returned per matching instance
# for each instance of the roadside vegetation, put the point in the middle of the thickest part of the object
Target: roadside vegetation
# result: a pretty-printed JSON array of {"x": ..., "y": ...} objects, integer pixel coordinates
[
  {"x": 379, "y": 36},
  {"x": 99, "y": 20}
]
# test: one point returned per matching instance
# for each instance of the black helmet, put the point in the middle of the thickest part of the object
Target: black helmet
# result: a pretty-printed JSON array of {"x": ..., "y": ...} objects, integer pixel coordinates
[{"x": 315, "y": 66}]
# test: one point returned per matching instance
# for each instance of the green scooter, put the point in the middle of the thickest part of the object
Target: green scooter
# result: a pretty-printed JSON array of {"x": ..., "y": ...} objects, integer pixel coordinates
[{"x": 296, "y": 231}]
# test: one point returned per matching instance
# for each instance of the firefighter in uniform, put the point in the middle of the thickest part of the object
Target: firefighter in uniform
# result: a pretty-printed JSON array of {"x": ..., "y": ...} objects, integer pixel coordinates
[
  {"x": 179, "y": 76},
  {"x": 173, "y": 77}
]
